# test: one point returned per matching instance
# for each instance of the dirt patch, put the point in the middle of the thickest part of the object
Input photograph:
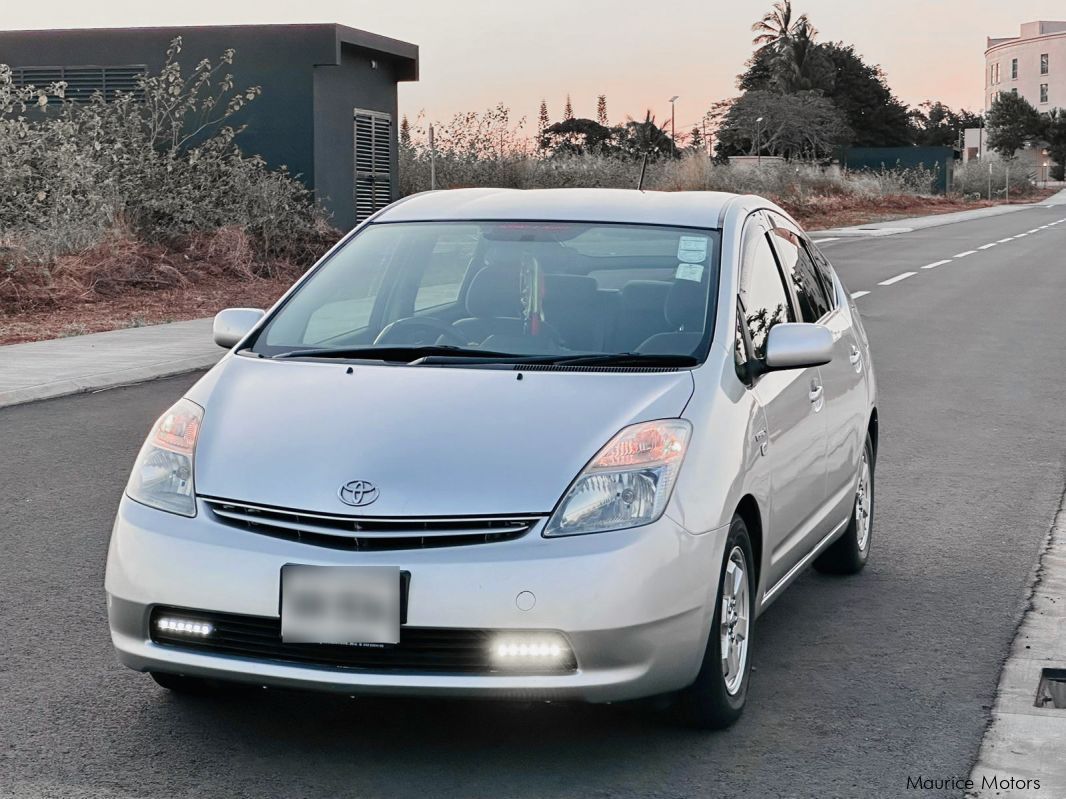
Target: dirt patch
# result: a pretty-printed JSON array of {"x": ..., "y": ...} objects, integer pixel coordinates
[
  {"x": 822, "y": 213},
  {"x": 138, "y": 307}
]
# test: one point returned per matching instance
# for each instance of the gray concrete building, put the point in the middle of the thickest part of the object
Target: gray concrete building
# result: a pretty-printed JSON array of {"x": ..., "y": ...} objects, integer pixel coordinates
[{"x": 328, "y": 104}]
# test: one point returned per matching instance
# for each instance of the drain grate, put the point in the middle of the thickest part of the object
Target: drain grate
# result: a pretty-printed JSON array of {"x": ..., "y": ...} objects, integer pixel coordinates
[{"x": 1051, "y": 692}]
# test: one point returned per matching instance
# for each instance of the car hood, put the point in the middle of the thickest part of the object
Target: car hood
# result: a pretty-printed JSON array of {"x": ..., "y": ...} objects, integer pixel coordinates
[{"x": 434, "y": 441}]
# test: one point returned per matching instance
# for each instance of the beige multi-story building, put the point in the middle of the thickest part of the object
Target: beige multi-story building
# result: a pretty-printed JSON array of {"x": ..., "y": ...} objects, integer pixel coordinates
[{"x": 1032, "y": 65}]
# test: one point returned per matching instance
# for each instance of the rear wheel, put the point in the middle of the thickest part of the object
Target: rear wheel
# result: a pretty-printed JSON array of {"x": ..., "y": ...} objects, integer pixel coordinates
[
  {"x": 716, "y": 699},
  {"x": 848, "y": 554}
]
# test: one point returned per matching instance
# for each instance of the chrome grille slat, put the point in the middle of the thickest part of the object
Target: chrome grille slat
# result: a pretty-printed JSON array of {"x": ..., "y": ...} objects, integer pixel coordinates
[{"x": 366, "y": 532}]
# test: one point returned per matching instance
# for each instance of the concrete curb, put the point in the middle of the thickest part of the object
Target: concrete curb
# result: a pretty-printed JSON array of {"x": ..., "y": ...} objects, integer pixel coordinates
[
  {"x": 111, "y": 379},
  {"x": 1022, "y": 751}
]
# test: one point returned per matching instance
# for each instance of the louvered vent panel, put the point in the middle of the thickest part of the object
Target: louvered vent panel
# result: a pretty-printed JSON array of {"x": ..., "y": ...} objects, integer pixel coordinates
[
  {"x": 84, "y": 81},
  {"x": 373, "y": 162}
]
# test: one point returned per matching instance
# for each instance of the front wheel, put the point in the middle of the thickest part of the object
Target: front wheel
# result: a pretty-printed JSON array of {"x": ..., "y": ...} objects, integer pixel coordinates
[
  {"x": 716, "y": 699},
  {"x": 849, "y": 553}
]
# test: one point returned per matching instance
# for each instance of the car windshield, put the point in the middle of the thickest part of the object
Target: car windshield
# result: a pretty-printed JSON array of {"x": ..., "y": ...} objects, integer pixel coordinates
[{"x": 547, "y": 291}]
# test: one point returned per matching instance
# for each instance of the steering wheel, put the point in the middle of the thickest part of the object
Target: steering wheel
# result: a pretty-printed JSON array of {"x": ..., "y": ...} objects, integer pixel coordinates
[{"x": 393, "y": 333}]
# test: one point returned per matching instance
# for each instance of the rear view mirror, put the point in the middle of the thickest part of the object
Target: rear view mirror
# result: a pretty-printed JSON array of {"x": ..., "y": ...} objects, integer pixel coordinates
[
  {"x": 798, "y": 345},
  {"x": 233, "y": 324}
]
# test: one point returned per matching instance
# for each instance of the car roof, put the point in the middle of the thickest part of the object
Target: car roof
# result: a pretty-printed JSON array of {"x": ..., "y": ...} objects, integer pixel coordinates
[{"x": 685, "y": 208}]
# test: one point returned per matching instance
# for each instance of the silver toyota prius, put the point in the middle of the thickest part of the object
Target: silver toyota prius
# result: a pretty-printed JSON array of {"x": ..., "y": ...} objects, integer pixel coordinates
[{"x": 559, "y": 444}]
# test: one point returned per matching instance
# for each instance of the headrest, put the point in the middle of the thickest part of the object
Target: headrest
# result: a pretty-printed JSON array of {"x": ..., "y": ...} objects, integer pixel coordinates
[
  {"x": 495, "y": 292},
  {"x": 644, "y": 295},
  {"x": 565, "y": 292},
  {"x": 686, "y": 305}
]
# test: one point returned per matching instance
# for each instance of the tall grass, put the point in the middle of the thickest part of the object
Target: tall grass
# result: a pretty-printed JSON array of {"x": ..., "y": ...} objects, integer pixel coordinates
[{"x": 693, "y": 172}]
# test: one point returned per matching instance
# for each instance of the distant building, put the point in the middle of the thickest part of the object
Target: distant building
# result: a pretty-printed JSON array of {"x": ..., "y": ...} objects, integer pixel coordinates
[
  {"x": 327, "y": 111},
  {"x": 1032, "y": 65}
]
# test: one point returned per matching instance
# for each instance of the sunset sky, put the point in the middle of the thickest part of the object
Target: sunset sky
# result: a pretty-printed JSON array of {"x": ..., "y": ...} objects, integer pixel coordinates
[{"x": 476, "y": 53}]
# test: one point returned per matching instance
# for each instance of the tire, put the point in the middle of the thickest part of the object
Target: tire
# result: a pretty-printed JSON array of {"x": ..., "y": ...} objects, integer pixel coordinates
[
  {"x": 849, "y": 553},
  {"x": 716, "y": 699},
  {"x": 188, "y": 686}
]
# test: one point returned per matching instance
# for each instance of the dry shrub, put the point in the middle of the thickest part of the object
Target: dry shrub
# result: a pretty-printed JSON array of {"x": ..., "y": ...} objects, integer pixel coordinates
[
  {"x": 228, "y": 250},
  {"x": 118, "y": 263}
]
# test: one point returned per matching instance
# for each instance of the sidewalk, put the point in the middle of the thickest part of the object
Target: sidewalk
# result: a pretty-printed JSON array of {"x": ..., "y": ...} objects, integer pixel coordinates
[
  {"x": 895, "y": 226},
  {"x": 1022, "y": 752},
  {"x": 43, "y": 369}
]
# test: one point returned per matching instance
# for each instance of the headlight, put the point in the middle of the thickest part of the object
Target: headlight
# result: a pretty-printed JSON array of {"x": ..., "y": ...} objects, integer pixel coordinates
[
  {"x": 162, "y": 475},
  {"x": 627, "y": 484}
]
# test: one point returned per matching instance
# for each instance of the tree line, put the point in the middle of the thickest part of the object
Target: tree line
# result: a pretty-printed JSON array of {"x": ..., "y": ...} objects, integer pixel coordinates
[{"x": 800, "y": 98}]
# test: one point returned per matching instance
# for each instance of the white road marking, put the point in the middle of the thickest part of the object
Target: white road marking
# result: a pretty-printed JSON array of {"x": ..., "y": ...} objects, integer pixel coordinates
[
  {"x": 1004, "y": 241},
  {"x": 1020, "y": 236},
  {"x": 897, "y": 278},
  {"x": 988, "y": 246},
  {"x": 856, "y": 294},
  {"x": 1034, "y": 230},
  {"x": 964, "y": 254},
  {"x": 935, "y": 264}
]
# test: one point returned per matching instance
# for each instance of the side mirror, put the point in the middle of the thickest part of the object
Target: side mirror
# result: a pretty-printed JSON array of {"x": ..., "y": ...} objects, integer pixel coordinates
[
  {"x": 233, "y": 324},
  {"x": 798, "y": 345}
]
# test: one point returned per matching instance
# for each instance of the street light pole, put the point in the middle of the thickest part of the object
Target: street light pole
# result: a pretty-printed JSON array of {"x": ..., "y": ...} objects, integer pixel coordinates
[
  {"x": 758, "y": 141},
  {"x": 673, "y": 133}
]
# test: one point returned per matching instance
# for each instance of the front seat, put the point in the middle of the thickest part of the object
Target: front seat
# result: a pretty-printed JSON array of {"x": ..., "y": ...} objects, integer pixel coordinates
[
  {"x": 686, "y": 313},
  {"x": 573, "y": 307},
  {"x": 640, "y": 313},
  {"x": 494, "y": 302}
]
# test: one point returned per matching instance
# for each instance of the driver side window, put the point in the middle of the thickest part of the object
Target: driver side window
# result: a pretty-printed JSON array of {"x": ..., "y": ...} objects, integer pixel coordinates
[{"x": 762, "y": 290}]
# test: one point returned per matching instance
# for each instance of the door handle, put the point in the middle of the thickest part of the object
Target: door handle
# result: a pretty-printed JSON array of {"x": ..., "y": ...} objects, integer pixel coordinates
[
  {"x": 855, "y": 356},
  {"x": 762, "y": 440},
  {"x": 815, "y": 394}
]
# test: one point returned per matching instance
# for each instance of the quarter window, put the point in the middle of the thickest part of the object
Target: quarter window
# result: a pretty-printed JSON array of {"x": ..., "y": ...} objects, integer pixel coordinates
[
  {"x": 762, "y": 291},
  {"x": 797, "y": 264}
]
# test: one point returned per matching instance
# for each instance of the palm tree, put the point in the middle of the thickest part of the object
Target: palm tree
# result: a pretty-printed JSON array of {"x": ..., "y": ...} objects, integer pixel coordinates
[
  {"x": 777, "y": 26},
  {"x": 799, "y": 63}
]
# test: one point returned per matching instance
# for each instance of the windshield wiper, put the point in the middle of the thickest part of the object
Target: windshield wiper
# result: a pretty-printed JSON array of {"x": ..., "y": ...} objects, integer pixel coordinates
[
  {"x": 594, "y": 359},
  {"x": 625, "y": 359},
  {"x": 406, "y": 354}
]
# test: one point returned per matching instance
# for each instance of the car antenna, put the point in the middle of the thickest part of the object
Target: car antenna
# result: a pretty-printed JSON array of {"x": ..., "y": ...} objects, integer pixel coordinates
[{"x": 643, "y": 169}]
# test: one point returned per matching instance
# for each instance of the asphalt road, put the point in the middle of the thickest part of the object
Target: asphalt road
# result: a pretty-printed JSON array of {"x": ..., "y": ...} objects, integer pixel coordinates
[{"x": 858, "y": 683}]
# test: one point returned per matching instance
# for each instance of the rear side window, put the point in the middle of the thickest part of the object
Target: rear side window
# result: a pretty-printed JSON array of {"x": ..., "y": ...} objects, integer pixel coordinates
[
  {"x": 762, "y": 292},
  {"x": 801, "y": 271},
  {"x": 825, "y": 272}
]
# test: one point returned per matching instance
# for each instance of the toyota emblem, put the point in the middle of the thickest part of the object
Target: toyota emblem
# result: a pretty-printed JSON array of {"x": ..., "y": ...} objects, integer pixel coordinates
[{"x": 358, "y": 493}]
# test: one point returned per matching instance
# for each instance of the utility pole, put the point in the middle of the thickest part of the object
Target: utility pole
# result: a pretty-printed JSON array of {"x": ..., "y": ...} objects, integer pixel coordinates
[
  {"x": 758, "y": 142},
  {"x": 673, "y": 134},
  {"x": 432, "y": 162}
]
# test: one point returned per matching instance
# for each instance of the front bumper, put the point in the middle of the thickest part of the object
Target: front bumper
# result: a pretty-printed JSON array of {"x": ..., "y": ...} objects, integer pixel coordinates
[{"x": 635, "y": 605}]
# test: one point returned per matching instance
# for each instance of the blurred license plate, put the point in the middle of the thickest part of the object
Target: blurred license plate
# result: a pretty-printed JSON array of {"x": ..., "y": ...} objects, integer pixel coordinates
[{"x": 340, "y": 604}]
